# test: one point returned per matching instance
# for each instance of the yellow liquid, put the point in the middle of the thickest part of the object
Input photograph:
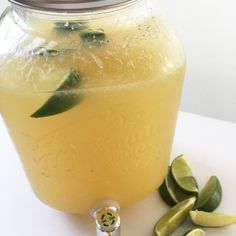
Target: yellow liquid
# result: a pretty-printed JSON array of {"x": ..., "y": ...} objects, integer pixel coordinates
[{"x": 116, "y": 143}]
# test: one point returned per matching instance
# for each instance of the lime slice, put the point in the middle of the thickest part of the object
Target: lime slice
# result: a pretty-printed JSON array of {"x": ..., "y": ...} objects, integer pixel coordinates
[
  {"x": 183, "y": 176},
  {"x": 210, "y": 196},
  {"x": 170, "y": 192},
  {"x": 195, "y": 232},
  {"x": 61, "y": 100},
  {"x": 174, "y": 217},
  {"x": 212, "y": 220}
]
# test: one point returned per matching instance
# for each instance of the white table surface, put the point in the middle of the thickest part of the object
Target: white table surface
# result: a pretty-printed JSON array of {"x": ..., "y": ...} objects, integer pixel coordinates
[{"x": 209, "y": 145}]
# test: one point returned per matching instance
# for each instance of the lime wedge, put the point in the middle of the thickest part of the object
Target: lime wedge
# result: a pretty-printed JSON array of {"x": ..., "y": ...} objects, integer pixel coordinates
[
  {"x": 170, "y": 192},
  {"x": 210, "y": 196},
  {"x": 212, "y": 220},
  {"x": 195, "y": 232},
  {"x": 183, "y": 176},
  {"x": 62, "y": 100},
  {"x": 174, "y": 217}
]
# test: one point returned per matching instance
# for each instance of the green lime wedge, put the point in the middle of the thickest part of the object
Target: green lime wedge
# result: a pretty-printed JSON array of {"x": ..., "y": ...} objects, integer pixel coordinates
[
  {"x": 210, "y": 196},
  {"x": 183, "y": 176},
  {"x": 211, "y": 220},
  {"x": 63, "y": 99},
  {"x": 174, "y": 217},
  {"x": 169, "y": 191},
  {"x": 195, "y": 232}
]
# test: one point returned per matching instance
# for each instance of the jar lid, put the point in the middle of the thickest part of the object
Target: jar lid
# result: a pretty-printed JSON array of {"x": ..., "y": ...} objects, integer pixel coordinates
[{"x": 67, "y": 5}]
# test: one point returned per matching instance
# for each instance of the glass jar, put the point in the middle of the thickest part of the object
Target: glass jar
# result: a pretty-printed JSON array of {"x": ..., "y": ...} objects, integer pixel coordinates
[{"x": 90, "y": 92}]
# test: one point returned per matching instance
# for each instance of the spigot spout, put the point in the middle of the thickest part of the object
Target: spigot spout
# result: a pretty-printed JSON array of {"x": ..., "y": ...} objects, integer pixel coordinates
[{"x": 107, "y": 221}]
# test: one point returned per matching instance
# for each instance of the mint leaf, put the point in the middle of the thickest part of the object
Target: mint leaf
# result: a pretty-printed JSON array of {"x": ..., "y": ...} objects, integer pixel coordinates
[
  {"x": 65, "y": 27},
  {"x": 45, "y": 52},
  {"x": 88, "y": 37},
  {"x": 95, "y": 38}
]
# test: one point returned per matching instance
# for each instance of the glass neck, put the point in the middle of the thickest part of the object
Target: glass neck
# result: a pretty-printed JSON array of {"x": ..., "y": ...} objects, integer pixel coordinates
[
  {"x": 129, "y": 7},
  {"x": 68, "y": 5},
  {"x": 26, "y": 18}
]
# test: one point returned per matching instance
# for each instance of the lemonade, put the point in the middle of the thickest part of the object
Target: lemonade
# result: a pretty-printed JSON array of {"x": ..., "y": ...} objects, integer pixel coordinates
[{"x": 113, "y": 140}]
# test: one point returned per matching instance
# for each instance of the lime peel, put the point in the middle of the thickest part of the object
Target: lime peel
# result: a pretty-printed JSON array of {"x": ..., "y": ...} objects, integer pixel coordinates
[{"x": 211, "y": 195}]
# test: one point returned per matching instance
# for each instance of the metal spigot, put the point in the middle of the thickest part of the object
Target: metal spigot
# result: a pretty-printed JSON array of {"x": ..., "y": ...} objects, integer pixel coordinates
[{"x": 107, "y": 221}]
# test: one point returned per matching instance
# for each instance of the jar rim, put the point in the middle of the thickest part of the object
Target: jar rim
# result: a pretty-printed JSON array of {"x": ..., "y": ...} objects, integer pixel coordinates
[{"x": 68, "y": 5}]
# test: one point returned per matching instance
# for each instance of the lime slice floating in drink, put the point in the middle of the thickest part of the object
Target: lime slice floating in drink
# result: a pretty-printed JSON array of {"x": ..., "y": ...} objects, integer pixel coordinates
[
  {"x": 170, "y": 192},
  {"x": 211, "y": 220},
  {"x": 174, "y": 217},
  {"x": 62, "y": 99},
  {"x": 210, "y": 196},
  {"x": 195, "y": 232},
  {"x": 183, "y": 176}
]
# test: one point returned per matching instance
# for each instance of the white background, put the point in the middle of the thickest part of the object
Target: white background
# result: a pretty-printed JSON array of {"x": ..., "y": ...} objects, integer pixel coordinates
[{"x": 208, "y": 31}]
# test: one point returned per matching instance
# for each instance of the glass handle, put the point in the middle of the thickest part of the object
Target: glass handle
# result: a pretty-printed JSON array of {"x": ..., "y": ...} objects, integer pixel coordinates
[{"x": 107, "y": 221}]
